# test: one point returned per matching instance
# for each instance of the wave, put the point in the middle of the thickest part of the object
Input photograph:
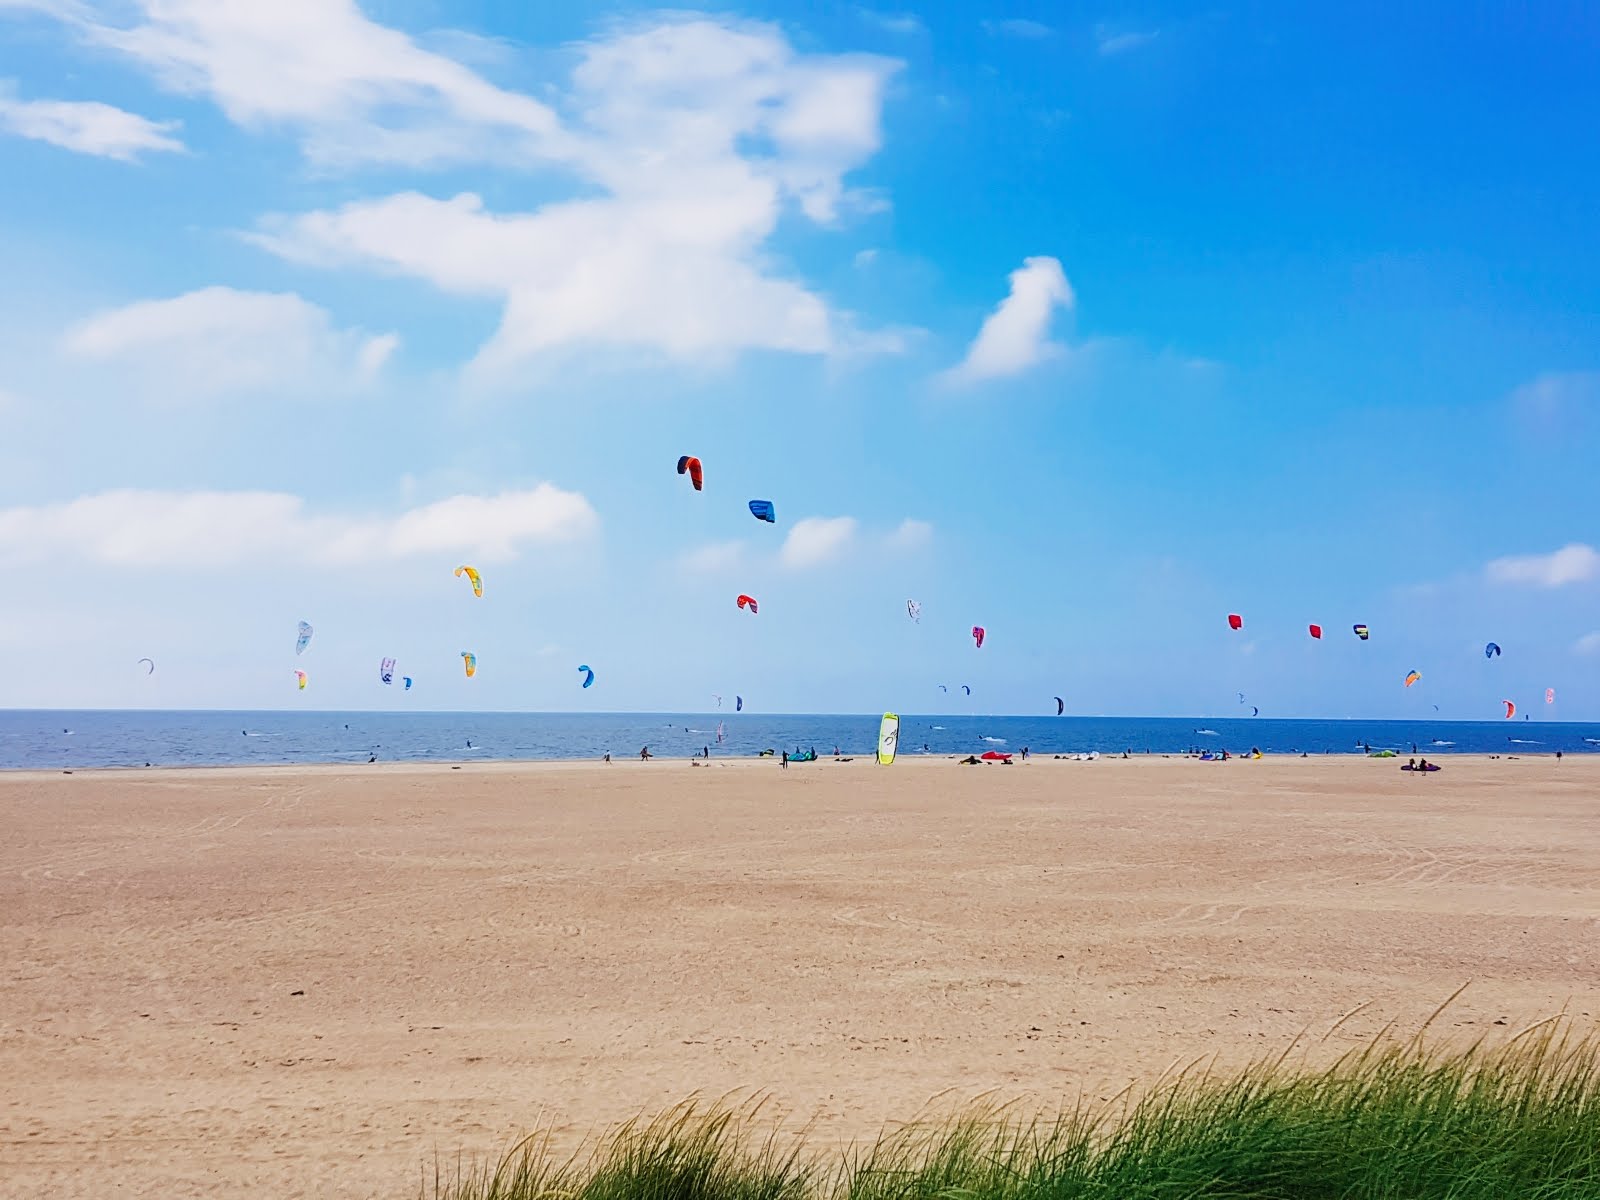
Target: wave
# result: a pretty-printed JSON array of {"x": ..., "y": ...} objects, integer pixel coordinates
[
  {"x": 1207, "y": 732},
  {"x": 1524, "y": 742},
  {"x": 1437, "y": 742},
  {"x": 995, "y": 741}
]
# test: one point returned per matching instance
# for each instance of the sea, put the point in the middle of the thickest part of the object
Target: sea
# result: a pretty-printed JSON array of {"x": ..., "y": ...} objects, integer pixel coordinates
[{"x": 74, "y": 739}]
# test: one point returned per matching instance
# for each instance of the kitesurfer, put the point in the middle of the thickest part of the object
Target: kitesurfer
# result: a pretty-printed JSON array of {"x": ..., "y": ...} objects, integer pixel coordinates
[
  {"x": 644, "y": 753},
  {"x": 785, "y": 760}
]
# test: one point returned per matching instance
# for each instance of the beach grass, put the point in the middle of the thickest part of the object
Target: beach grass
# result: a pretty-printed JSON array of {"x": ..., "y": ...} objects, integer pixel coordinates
[{"x": 1519, "y": 1120}]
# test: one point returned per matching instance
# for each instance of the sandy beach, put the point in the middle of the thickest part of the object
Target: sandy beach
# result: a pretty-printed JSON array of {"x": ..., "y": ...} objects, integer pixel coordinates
[{"x": 313, "y": 981}]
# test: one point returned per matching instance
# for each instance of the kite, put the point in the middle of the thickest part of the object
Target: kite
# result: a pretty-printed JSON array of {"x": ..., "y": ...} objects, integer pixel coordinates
[
  {"x": 1316, "y": 631},
  {"x": 470, "y": 661},
  {"x": 1060, "y": 707},
  {"x": 386, "y": 670},
  {"x": 914, "y": 610},
  {"x": 966, "y": 689},
  {"x": 1491, "y": 650},
  {"x": 473, "y": 578},
  {"x": 408, "y": 683},
  {"x": 717, "y": 698},
  {"x": 738, "y": 704},
  {"x": 588, "y": 677},
  {"x": 300, "y": 677},
  {"x": 690, "y": 466},
  {"x": 152, "y": 663},
  {"x": 1549, "y": 695},
  {"x": 978, "y": 634},
  {"x": 1235, "y": 621},
  {"x": 942, "y": 688},
  {"x": 762, "y": 510},
  {"x": 1361, "y": 631},
  {"x": 1412, "y": 677},
  {"x": 748, "y": 602},
  {"x": 1511, "y": 709},
  {"x": 1254, "y": 711},
  {"x": 888, "y": 738},
  {"x": 304, "y": 638}
]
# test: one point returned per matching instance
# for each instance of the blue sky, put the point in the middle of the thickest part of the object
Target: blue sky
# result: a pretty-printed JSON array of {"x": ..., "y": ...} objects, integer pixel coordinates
[{"x": 1088, "y": 325}]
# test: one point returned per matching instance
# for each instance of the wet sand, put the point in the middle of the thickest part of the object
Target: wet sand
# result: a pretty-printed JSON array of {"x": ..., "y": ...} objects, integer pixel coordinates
[{"x": 292, "y": 981}]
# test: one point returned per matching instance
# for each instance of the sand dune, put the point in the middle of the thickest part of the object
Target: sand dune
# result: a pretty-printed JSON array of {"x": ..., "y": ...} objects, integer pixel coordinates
[{"x": 314, "y": 980}]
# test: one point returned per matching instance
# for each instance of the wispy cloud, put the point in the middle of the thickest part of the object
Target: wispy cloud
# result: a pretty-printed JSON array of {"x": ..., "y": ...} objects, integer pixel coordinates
[
  {"x": 911, "y": 534},
  {"x": 817, "y": 540},
  {"x": 202, "y": 531},
  {"x": 1018, "y": 27},
  {"x": 906, "y": 24},
  {"x": 1112, "y": 42},
  {"x": 715, "y": 557},
  {"x": 85, "y": 126},
  {"x": 1589, "y": 643},
  {"x": 1575, "y": 563},
  {"x": 1016, "y": 335},
  {"x": 219, "y": 340}
]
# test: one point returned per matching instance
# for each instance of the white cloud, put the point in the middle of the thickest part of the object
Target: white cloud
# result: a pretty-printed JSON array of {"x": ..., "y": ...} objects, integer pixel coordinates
[
  {"x": 1575, "y": 563},
  {"x": 1557, "y": 396},
  {"x": 1589, "y": 643},
  {"x": 1020, "y": 27},
  {"x": 693, "y": 138},
  {"x": 903, "y": 23},
  {"x": 718, "y": 556},
  {"x": 355, "y": 91},
  {"x": 911, "y": 535},
  {"x": 219, "y": 340},
  {"x": 204, "y": 530},
  {"x": 85, "y": 126},
  {"x": 817, "y": 540},
  {"x": 1110, "y": 43},
  {"x": 1015, "y": 336}
]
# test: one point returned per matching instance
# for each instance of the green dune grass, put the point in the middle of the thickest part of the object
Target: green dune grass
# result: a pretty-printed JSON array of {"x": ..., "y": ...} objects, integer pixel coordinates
[{"x": 1518, "y": 1121}]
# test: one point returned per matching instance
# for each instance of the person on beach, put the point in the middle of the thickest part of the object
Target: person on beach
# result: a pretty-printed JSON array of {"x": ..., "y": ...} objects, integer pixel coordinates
[
  {"x": 608, "y": 756},
  {"x": 644, "y": 753},
  {"x": 785, "y": 760}
]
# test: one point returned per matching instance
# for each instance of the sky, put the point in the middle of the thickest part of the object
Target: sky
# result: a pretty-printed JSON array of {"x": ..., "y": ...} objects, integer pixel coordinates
[{"x": 1086, "y": 324}]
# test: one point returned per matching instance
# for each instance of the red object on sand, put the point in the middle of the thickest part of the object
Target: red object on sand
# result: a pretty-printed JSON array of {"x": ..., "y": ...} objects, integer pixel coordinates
[{"x": 995, "y": 756}]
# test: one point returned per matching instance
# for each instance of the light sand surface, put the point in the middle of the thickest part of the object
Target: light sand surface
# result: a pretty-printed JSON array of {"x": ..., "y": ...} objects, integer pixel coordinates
[{"x": 309, "y": 982}]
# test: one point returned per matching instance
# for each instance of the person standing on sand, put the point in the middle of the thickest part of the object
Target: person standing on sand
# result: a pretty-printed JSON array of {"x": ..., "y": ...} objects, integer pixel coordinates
[
  {"x": 644, "y": 754},
  {"x": 785, "y": 760}
]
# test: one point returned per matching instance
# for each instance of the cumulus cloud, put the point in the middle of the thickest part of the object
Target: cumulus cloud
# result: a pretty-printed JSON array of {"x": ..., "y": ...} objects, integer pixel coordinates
[
  {"x": 203, "y": 530},
  {"x": 691, "y": 139},
  {"x": 219, "y": 340},
  {"x": 1016, "y": 335},
  {"x": 814, "y": 541},
  {"x": 910, "y": 535},
  {"x": 85, "y": 126},
  {"x": 1575, "y": 563},
  {"x": 1110, "y": 42}
]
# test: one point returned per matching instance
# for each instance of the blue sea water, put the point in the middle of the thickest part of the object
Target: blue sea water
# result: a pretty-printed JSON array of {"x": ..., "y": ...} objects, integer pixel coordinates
[{"x": 126, "y": 738}]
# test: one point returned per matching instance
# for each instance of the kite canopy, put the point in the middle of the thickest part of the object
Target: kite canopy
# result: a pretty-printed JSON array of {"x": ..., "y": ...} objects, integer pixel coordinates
[
  {"x": 300, "y": 679},
  {"x": 966, "y": 689},
  {"x": 1412, "y": 677},
  {"x": 1060, "y": 707},
  {"x": 762, "y": 510},
  {"x": 1361, "y": 631},
  {"x": 473, "y": 578},
  {"x": 152, "y": 663},
  {"x": 1511, "y": 709},
  {"x": 1315, "y": 631},
  {"x": 386, "y": 670},
  {"x": 1492, "y": 649},
  {"x": 690, "y": 466},
  {"x": 978, "y": 634},
  {"x": 748, "y": 602},
  {"x": 304, "y": 638},
  {"x": 588, "y": 674},
  {"x": 408, "y": 683},
  {"x": 914, "y": 610},
  {"x": 1549, "y": 695},
  {"x": 738, "y": 704},
  {"x": 469, "y": 660},
  {"x": 1235, "y": 621},
  {"x": 888, "y": 738}
]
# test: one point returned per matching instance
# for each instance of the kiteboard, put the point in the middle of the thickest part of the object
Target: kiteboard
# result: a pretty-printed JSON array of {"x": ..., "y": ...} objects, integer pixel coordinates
[{"x": 888, "y": 738}]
